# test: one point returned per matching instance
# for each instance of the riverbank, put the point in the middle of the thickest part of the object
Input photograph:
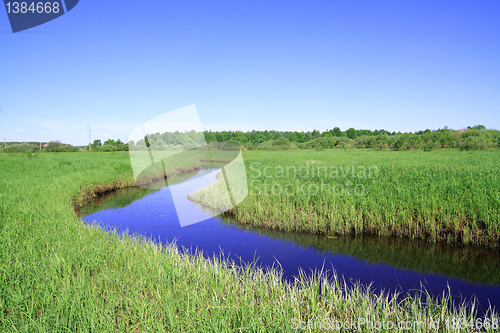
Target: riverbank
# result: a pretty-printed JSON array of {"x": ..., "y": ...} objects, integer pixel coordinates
[
  {"x": 92, "y": 193},
  {"x": 447, "y": 195},
  {"x": 58, "y": 274}
]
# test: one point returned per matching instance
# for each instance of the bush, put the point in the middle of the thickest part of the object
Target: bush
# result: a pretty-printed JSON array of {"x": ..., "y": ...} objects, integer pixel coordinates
[
  {"x": 365, "y": 141},
  {"x": 382, "y": 142},
  {"x": 278, "y": 144},
  {"x": 58, "y": 147},
  {"x": 327, "y": 143},
  {"x": 430, "y": 146},
  {"x": 472, "y": 143},
  {"x": 24, "y": 147}
]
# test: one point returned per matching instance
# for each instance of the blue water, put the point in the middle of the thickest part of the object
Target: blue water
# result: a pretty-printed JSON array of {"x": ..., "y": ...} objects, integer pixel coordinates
[{"x": 154, "y": 216}]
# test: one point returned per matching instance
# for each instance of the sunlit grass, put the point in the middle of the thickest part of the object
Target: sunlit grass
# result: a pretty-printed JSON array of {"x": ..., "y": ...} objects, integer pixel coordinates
[
  {"x": 441, "y": 195},
  {"x": 58, "y": 274}
]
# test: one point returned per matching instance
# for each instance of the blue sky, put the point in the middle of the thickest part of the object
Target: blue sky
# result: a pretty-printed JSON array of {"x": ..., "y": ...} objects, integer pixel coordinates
[{"x": 287, "y": 65}]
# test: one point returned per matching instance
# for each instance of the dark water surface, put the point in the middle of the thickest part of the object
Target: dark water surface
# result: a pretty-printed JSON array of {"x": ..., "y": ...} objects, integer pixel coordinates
[{"x": 387, "y": 263}]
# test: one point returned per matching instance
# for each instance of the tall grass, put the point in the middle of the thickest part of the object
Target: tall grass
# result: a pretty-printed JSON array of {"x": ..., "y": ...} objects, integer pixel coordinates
[
  {"x": 446, "y": 195},
  {"x": 60, "y": 275},
  {"x": 474, "y": 264}
]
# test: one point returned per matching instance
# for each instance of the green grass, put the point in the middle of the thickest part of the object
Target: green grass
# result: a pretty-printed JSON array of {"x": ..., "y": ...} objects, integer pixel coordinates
[
  {"x": 446, "y": 195},
  {"x": 59, "y": 275},
  {"x": 480, "y": 265}
]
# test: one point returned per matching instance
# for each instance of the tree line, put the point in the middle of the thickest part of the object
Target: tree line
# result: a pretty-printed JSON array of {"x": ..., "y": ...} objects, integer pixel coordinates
[
  {"x": 58, "y": 147},
  {"x": 34, "y": 147},
  {"x": 471, "y": 138}
]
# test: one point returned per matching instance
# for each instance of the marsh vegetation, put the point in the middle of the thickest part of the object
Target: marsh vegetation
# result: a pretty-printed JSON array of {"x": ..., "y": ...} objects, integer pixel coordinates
[{"x": 60, "y": 274}]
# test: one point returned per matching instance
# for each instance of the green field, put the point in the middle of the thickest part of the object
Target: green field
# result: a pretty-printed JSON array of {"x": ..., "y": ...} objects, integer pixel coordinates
[
  {"x": 446, "y": 195},
  {"x": 57, "y": 274}
]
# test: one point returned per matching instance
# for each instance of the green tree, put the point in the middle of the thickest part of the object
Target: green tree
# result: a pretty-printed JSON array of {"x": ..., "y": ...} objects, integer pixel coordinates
[
  {"x": 352, "y": 133},
  {"x": 336, "y": 132},
  {"x": 96, "y": 145}
]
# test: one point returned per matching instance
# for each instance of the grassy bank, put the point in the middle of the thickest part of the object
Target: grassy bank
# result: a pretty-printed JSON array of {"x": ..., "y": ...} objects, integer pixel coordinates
[
  {"x": 446, "y": 195},
  {"x": 474, "y": 264},
  {"x": 57, "y": 274}
]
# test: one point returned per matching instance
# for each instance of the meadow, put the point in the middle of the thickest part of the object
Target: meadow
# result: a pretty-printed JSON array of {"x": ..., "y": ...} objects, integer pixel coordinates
[
  {"x": 58, "y": 274},
  {"x": 443, "y": 195}
]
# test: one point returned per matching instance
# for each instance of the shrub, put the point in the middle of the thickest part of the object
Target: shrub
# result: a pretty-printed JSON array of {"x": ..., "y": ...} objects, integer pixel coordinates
[
  {"x": 472, "y": 143},
  {"x": 278, "y": 144},
  {"x": 57, "y": 147},
  {"x": 24, "y": 147}
]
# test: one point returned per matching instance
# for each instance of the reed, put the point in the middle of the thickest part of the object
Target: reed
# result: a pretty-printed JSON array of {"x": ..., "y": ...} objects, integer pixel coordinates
[
  {"x": 58, "y": 274},
  {"x": 444, "y": 195}
]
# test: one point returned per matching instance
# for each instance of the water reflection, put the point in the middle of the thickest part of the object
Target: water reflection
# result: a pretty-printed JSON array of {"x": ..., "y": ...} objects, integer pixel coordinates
[
  {"x": 468, "y": 263},
  {"x": 387, "y": 263}
]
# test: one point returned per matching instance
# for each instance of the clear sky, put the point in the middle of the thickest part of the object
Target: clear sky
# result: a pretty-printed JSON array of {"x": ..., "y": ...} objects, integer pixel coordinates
[{"x": 284, "y": 65}]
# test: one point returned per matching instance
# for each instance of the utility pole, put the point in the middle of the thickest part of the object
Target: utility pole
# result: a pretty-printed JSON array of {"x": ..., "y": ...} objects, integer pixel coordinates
[
  {"x": 40, "y": 145},
  {"x": 5, "y": 142},
  {"x": 90, "y": 147}
]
